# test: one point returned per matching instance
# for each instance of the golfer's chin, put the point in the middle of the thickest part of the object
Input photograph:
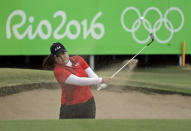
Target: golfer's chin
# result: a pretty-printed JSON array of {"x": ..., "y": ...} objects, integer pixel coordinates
[{"x": 64, "y": 62}]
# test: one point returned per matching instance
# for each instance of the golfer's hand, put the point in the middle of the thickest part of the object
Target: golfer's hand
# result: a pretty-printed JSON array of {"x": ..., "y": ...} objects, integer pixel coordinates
[
  {"x": 106, "y": 79},
  {"x": 103, "y": 85}
]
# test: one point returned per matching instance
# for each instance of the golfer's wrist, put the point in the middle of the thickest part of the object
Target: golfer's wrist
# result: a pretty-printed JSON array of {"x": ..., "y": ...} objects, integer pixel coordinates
[{"x": 100, "y": 80}]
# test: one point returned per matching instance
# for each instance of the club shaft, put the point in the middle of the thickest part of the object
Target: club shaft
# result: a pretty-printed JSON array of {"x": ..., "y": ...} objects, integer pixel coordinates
[{"x": 127, "y": 63}]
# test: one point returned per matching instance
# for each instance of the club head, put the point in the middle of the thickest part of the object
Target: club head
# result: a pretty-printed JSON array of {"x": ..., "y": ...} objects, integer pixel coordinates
[{"x": 152, "y": 37}]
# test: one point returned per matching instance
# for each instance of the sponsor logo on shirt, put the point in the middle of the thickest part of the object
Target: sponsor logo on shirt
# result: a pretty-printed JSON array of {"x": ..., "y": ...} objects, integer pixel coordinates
[{"x": 77, "y": 64}]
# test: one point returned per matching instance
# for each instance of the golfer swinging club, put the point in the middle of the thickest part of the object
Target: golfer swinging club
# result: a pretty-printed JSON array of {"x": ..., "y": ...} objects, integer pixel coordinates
[{"x": 74, "y": 77}]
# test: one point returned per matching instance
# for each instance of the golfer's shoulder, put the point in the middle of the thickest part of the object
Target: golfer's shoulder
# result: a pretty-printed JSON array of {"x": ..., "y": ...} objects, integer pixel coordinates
[
  {"x": 61, "y": 73},
  {"x": 58, "y": 69}
]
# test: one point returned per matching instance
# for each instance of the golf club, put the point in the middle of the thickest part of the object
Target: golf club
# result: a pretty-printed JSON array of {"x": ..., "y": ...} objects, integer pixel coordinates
[{"x": 102, "y": 86}]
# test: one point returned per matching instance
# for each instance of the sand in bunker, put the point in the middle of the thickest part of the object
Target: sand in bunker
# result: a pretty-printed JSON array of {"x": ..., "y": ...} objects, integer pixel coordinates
[{"x": 45, "y": 104}]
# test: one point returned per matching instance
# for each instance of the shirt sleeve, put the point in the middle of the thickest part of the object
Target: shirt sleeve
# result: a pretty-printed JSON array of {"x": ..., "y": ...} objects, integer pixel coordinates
[
  {"x": 83, "y": 63},
  {"x": 91, "y": 73},
  {"x": 82, "y": 81}
]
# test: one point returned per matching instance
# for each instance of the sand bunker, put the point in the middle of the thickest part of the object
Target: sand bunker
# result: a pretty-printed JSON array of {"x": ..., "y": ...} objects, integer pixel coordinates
[{"x": 44, "y": 104}]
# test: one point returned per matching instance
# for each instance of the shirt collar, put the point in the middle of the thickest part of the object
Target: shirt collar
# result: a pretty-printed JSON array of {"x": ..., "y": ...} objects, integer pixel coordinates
[{"x": 69, "y": 64}]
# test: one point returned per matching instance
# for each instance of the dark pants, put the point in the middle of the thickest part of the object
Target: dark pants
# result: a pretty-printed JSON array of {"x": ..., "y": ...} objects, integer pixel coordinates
[{"x": 83, "y": 110}]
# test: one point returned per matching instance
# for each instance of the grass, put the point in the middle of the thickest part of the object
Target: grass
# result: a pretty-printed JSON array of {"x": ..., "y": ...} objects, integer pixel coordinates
[
  {"x": 98, "y": 125},
  {"x": 172, "y": 79},
  {"x": 14, "y": 77}
]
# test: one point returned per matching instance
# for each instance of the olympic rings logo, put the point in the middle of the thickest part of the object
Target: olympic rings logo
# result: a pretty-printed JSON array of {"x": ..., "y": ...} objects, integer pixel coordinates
[{"x": 157, "y": 25}]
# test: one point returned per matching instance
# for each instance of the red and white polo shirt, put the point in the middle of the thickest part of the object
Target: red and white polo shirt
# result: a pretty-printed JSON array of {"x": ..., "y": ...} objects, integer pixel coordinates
[{"x": 72, "y": 94}]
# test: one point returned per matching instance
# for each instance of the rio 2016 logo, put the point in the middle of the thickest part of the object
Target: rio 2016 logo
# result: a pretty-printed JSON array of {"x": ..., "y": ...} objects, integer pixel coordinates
[
  {"x": 91, "y": 28},
  {"x": 157, "y": 25},
  {"x": 83, "y": 26}
]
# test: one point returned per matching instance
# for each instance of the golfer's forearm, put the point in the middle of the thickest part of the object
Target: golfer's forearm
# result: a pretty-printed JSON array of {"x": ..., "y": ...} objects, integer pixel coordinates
[
  {"x": 82, "y": 81},
  {"x": 91, "y": 73}
]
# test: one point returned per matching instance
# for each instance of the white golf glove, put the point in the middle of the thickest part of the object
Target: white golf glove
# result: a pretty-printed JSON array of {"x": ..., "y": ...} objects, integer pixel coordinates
[{"x": 101, "y": 86}]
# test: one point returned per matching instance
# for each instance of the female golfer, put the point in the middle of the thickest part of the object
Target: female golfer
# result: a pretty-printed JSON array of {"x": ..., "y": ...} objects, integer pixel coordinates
[{"x": 74, "y": 77}]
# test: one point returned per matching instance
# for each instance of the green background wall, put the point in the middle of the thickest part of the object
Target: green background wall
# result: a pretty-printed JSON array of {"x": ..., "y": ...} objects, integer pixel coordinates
[{"x": 29, "y": 27}]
